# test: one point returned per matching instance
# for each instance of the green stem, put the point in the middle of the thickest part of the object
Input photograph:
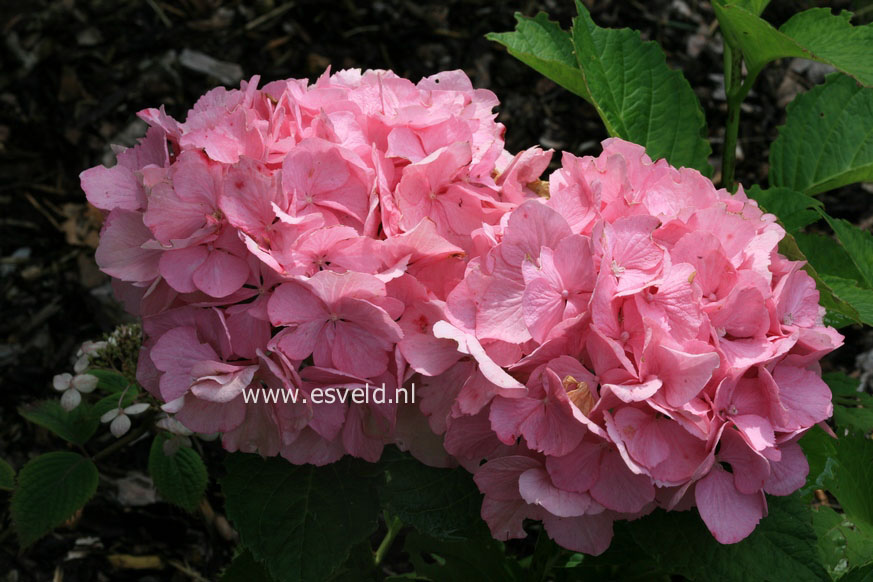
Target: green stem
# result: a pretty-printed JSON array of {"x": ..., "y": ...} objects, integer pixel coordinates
[
  {"x": 394, "y": 527},
  {"x": 734, "y": 93}
]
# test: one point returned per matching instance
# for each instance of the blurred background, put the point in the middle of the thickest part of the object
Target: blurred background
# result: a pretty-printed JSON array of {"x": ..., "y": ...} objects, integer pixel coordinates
[{"x": 73, "y": 74}]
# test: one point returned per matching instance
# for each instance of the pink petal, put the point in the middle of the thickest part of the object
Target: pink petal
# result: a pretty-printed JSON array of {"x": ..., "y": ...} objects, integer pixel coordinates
[
  {"x": 536, "y": 488},
  {"x": 221, "y": 274},
  {"x": 730, "y": 515}
]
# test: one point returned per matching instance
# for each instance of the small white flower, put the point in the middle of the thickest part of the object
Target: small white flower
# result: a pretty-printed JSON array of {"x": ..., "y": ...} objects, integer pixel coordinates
[
  {"x": 70, "y": 399},
  {"x": 90, "y": 348},
  {"x": 137, "y": 408},
  {"x": 73, "y": 387},
  {"x": 62, "y": 382},
  {"x": 81, "y": 364},
  {"x": 120, "y": 425},
  {"x": 85, "y": 383},
  {"x": 119, "y": 418},
  {"x": 173, "y": 426}
]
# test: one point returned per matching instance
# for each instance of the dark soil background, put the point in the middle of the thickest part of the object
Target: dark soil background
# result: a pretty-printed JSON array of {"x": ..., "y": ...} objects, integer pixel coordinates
[{"x": 74, "y": 73}]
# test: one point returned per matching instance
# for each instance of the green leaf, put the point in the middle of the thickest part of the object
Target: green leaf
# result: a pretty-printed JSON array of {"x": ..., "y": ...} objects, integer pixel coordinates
[
  {"x": 794, "y": 210},
  {"x": 543, "y": 46},
  {"x": 860, "y": 299},
  {"x": 7, "y": 476},
  {"x": 109, "y": 380},
  {"x": 756, "y": 7},
  {"x": 853, "y": 408},
  {"x": 841, "y": 545},
  {"x": 180, "y": 478},
  {"x": 300, "y": 520},
  {"x": 245, "y": 568},
  {"x": 483, "y": 560},
  {"x": 359, "y": 567},
  {"x": 814, "y": 34},
  {"x": 783, "y": 542},
  {"x": 638, "y": 96},
  {"x": 51, "y": 488},
  {"x": 826, "y": 255},
  {"x": 821, "y": 452},
  {"x": 437, "y": 502},
  {"x": 858, "y": 244},
  {"x": 864, "y": 574},
  {"x": 853, "y": 481},
  {"x": 827, "y": 139},
  {"x": 75, "y": 426}
]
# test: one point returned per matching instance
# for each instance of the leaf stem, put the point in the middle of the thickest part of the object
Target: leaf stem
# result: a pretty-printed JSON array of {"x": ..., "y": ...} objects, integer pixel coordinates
[{"x": 394, "y": 527}]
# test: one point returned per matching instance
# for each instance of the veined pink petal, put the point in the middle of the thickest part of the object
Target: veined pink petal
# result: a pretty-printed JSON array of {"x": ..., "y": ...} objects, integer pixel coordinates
[{"x": 730, "y": 515}]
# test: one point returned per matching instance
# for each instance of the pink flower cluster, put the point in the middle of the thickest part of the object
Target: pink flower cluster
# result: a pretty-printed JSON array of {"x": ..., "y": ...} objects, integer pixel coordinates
[
  {"x": 632, "y": 341},
  {"x": 301, "y": 236},
  {"x": 635, "y": 341}
]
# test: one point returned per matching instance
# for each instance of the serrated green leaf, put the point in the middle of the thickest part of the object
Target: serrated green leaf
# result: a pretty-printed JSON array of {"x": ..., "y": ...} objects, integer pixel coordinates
[
  {"x": 437, "y": 502},
  {"x": 754, "y": 6},
  {"x": 841, "y": 385},
  {"x": 245, "y": 568},
  {"x": 826, "y": 255},
  {"x": 359, "y": 567},
  {"x": 838, "y": 312},
  {"x": 109, "y": 380},
  {"x": 821, "y": 452},
  {"x": 7, "y": 476},
  {"x": 543, "y": 46},
  {"x": 638, "y": 97},
  {"x": 853, "y": 481},
  {"x": 827, "y": 139},
  {"x": 794, "y": 210},
  {"x": 864, "y": 574},
  {"x": 75, "y": 426},
  {"x": 300, "y": 520},
  {"x": 180, "y": 478},
  {"x": 858, "y": 244},
  {"x": 814, "y": 34},
  {"x": 482, "y": 560},
  {"x": 784, "y": 543},
  {"x": 51, "y": 488},
  {"x": 860, "y": 299},
  {"x": 841, "y": 545}
]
